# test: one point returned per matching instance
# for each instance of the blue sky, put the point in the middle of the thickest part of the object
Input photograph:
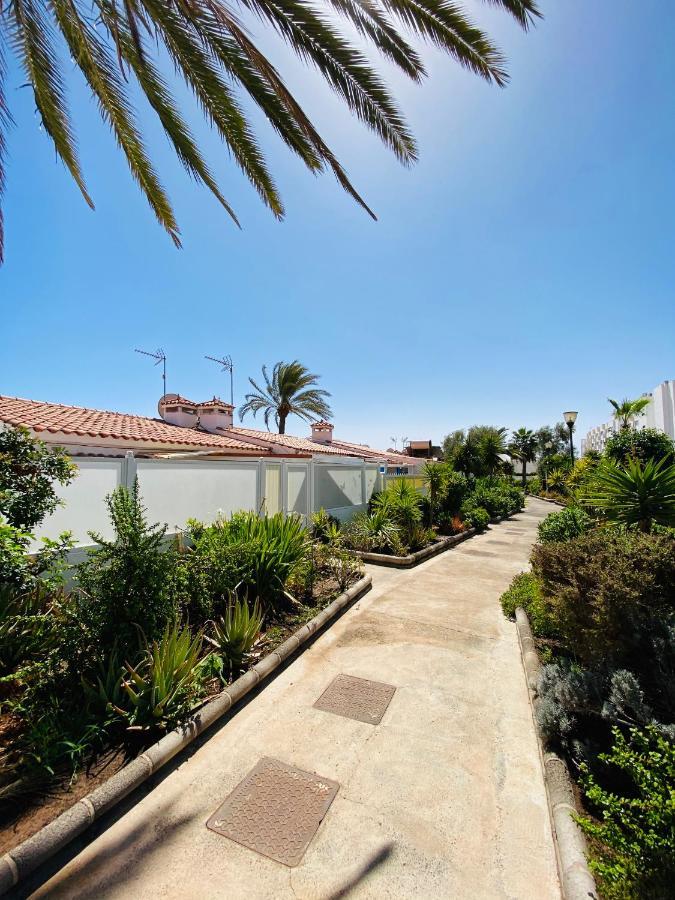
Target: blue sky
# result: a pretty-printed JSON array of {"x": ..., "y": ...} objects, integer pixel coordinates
[{"x": 524, "y": 266}]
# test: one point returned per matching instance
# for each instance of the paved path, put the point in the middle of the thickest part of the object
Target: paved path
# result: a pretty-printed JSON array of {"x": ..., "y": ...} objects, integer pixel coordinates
[{"x": 443, "y": 799}]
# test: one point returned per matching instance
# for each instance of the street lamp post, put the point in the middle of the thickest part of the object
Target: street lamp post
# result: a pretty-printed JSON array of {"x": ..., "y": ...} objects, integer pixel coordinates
[{"x": 570, "y": 418}]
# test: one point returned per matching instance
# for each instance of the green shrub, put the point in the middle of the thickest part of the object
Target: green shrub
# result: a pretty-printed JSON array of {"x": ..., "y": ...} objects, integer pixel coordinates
[
  {"x": 633, "y": 836},
  {"x": 322, "y": 526},
  {"x": 456, "y": 489},
  {"x": 476, "y": 517},
  {"x": 127, "y": 584},
  {"x": 401, "y": 503},
  {"x": 263, "y": 553},
  {"x": 525, "y": 591},
  {"x": 564, "y": 524},
  {"x": 28, "y": 471},
  {"x": 643, "y": 444},
  {"x": 376, "y": 533},
  {"x": 606, "y": 590},
  {"x": 534, "y": 486}
]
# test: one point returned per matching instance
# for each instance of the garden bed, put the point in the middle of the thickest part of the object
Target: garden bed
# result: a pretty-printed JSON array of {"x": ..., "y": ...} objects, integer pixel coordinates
[
  {"x": 31, "y": 842},
  {"x": 414, "y": 559}
]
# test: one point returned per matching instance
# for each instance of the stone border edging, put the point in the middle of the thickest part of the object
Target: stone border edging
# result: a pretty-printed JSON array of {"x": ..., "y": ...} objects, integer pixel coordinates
[
  {"x": 27, "y": 856},
  {"x": 413, "y": 559},
  {"x": 576, "y": 880}
]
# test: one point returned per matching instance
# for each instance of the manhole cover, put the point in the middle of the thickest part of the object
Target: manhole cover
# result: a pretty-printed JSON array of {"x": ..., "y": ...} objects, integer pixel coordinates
[
  {"x": 356, "y": 698},
  {"x": 275, "y": 810}
]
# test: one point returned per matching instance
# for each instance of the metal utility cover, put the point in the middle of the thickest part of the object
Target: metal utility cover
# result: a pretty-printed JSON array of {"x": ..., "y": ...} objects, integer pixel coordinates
[
  {"x": 356, "y": 698},
  {"x": 276, "y": 810}
]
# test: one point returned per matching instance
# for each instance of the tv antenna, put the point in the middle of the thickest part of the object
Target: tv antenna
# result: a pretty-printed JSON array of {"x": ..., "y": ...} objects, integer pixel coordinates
[
  {"x": 160, "y": 357},
  {"x": 396, "y": 440},
  {"x": 227, "y": 366}
]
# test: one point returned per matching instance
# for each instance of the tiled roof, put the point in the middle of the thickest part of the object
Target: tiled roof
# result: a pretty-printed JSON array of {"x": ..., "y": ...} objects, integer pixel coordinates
[
  {"x": 81, "y": 422},
  {"x": 295, "y": 443},
  {"x": 363, "y": 450}
]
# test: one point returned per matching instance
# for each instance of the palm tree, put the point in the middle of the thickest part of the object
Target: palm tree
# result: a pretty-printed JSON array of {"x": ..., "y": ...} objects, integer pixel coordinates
[
  {"x": 491, "y": 446},
  {"x": 628, "y": 410},
  {"x": 635, "y": 494},
  {"x": 524, "y": 447},
  {"x": 117, "y": 45},
  {"x": 288, "y": 392}
]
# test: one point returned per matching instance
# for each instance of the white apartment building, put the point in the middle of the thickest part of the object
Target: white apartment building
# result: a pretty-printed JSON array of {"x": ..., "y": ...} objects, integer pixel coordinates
[{"x": 659, "y": 414}]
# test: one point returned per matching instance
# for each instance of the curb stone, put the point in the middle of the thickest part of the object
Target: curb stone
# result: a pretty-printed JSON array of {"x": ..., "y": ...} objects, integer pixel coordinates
[
  {"x": 570, "y": 845},
  {"x": 27, "y": 856},
  {"x": 413, "y": 559}
]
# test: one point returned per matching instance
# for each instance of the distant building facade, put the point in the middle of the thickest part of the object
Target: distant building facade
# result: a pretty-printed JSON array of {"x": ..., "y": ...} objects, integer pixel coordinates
[{"x": 660, "y": 414}]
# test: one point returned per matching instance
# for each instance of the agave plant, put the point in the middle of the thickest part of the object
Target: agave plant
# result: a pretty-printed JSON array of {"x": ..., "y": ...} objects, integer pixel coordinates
[
  {"x": 162, "y": 688},
  {"x": 373, "y": 532},
  {"x": 237, "y": 632},
  {"x": 637, "y": 494}
]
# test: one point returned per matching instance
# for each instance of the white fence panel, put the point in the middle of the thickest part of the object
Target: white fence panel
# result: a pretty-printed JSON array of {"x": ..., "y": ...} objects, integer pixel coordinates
[
  {"x": 83, "y": 508},
  {"x": 177, "y": 490}
]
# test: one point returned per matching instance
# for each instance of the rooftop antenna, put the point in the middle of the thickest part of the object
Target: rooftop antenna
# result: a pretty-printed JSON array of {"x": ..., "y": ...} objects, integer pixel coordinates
[
  {"x": 227, "y": 366},
  {"x": 160, "y": 357}
]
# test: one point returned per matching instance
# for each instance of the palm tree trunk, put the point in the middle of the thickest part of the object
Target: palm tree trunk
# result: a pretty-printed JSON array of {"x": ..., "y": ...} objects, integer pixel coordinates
[
  {"x": 282, "y": 423},
  {"x": 524, "y": 473}
]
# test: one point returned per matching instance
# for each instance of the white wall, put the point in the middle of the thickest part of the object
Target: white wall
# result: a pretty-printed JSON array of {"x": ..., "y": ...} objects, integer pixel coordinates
[{"x": 175, "y": 490}]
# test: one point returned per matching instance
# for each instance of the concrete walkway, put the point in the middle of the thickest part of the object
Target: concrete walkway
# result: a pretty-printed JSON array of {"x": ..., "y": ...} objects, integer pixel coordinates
[{"x": 444, "y": 798}]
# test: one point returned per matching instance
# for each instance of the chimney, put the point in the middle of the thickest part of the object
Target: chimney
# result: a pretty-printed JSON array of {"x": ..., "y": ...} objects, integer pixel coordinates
[
  {"x": 215, "y": 415},
  {"x": 176, "y": 410},
  {"x": 322, "y": 432}
]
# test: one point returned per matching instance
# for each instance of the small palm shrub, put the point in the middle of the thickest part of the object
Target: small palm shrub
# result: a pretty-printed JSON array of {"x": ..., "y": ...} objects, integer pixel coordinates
[
  {"x": 635, "y": 494},
  {"x": 564, "y": 524},
  {"x": 236, "y": 633},
  {"x": 633, "y": 833},
  {"x": 402, "y": 504},
  {"x": 434, "y": 475},
  {"x": 163, "y": 687},
  {"x": 525, "y": 591},
  {"x": 376, "y": 533},
  {"x": 127, "y": 583},
  {"x": 323, "y": 526}
]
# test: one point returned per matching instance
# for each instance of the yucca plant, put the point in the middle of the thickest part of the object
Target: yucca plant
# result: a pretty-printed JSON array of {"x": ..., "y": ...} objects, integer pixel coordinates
[
  {"x": 162, "y": 688},
  {"x": 402, "y": 504},
  {"x": 117, "y": 46},
  {"x": 635, "y": 494},
  {"x": 376, "y": 531},
  {"x": 237, "y": 632},
  {"x": 434, "y": 475}
]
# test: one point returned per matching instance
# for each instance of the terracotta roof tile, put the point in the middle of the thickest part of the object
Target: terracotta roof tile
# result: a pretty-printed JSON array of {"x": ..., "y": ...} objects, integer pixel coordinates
[
  {"x": 288, "y": 440},
  {"x": 364, "y": 450},
  {"x": 82, "y": 422}
]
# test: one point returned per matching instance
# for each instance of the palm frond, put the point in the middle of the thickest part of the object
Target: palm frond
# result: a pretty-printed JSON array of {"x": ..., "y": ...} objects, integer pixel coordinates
[
  {"x": 32, "y": 37},
  {"x": 5, "y": 123},
  {"x": 525, "y": 12},
  {"x": 103, "y": 77},
  {"x": 315, "y": 40}
]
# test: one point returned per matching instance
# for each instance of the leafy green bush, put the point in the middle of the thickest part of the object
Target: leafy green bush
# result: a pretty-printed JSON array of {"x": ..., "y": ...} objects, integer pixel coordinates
[
  {"x": 476, "y": 517},
  {"x": 606, "y": 590},
  {"x": 402, "y": 504},
  {"x": 564, "y": 524},
  {"x": 525, "y": 591},
  {"x": 633, "y": 837},
  {"x": 642, "y": 444},
  {"x": 456, "y": 489},
  {"x": 534, "y": 486},
  {"x": 28, "y": 471},
  {"x": 126, "y": 584}
]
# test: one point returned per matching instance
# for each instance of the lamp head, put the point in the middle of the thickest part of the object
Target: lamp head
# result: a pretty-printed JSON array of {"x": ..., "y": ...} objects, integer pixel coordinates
[{"x": 570, "y": 418}]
